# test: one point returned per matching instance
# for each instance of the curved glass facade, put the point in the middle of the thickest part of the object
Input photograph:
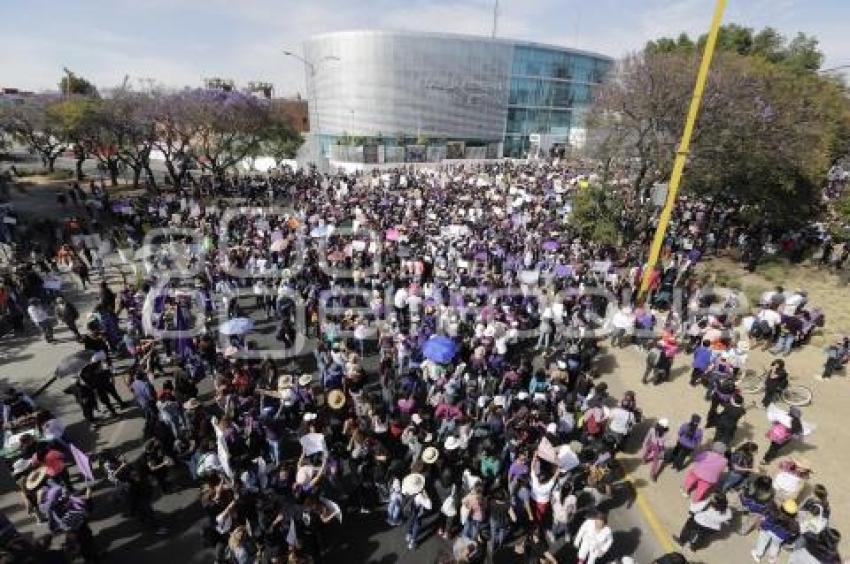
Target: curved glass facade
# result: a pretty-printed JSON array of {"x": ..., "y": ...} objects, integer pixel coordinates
[
  {"x": 549, "y": 89},
  {"x": 417, "y": 94}
]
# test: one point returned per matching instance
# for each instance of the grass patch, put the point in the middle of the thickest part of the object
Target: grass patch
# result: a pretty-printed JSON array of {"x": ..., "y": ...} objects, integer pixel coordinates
[{"x": 774, "y": 271}]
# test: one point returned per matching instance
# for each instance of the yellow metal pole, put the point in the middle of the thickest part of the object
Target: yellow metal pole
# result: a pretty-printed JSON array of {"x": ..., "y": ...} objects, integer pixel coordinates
[{"x": 682, "y": 152}]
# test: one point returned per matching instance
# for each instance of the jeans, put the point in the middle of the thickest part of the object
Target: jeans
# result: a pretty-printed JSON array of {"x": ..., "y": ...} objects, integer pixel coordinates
[
  {"x": 783, "y": 344},
  {"x": 394, "y": 509},
  {"x": 499, "y": 534},
  {"x": 274, "y": 450},
  {"x": 413, "y": 526},
  {"x": 471, "y": 528},
  {"x": 617, "y": 337},
  {"x": 732, "y": 480},
  {"x": 769, "y": 544},
  {"x": 47, "y": 330}
]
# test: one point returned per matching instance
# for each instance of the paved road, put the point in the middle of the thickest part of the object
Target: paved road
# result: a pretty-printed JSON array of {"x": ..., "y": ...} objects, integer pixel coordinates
[{"x": 27, "y": 363}]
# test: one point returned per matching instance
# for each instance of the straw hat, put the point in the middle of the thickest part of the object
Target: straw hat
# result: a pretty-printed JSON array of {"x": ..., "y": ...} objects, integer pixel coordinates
[
  {"x": 191, "y": 404},
  {"x": 336, "y": 399},
  {"x": 413, "y": 484},
  {"x": 452, "y": 443},
  {"x": 790, "y": 507},
  {"x": 284, "y": 381},
  {"x": 305, "y": 379},
  {"x": 801, "y": 463},
  {"x": 36, "y": 478},
  {"x": 20, "y": 466},
  {"x": 430, "y": 455}
]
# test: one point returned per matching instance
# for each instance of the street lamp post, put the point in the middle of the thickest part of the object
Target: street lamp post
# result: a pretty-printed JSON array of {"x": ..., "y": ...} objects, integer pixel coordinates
[
  {"x": 312, "y": 70},
  {"x": 68, "y": 82}
]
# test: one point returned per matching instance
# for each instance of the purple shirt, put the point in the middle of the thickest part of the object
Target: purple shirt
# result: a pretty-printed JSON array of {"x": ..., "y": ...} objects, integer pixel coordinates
[
  {"x": 686, "y": 439},
  {"x": 517, "y": 469},
  {"x": 709, "y": 465},
  {"x": 702, "y": 357}
]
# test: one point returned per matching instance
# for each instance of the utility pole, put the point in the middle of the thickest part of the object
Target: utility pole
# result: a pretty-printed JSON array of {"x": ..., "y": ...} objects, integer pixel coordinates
[
  {"x": 684, "y": 144},
  {"x": 495, "y": 17}
]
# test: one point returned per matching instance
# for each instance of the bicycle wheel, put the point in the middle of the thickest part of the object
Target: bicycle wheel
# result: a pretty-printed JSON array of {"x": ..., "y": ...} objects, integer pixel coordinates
[
  {"x": 797, "y": 396},
  {"x": 751, "y": 382}
]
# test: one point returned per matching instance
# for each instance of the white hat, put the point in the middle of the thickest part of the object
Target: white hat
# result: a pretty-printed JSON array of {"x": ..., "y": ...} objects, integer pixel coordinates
[
  {"x": 522, "y": 396},
  {"x": 416, "y": 418},
  {"x": 21, "y": 465},
  {"x": 99, "y": 356},
  {"x": 551, "y": 428},
  {"x": 305, "y": 379},
  {"x": 452, "y": 443},
  {"x": 412, "y": 484},
  {"x": 539, "y": 396},
  {"x": 562, "y": 365},
  {"x": 663, "y": 422},
  {"x": 309, "y": 416},
  {"x": 499, "y": 401},
  {"x": 430, "y": 455}
]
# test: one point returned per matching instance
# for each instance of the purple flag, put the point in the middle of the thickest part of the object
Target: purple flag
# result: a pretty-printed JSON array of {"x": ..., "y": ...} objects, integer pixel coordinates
[{"x": 83, "y": 463}]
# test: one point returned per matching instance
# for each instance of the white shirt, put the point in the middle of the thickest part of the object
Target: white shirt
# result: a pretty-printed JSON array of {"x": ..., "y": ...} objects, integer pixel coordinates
[
  {"x": 622, "y": 320},
  {"x": 37, "y": 314},
  {"x": 621, "y": 420},
  {"x": 400, "y": 298},
  {"x": 772, "y": 317},
  {"x": 541, "y": 491}
]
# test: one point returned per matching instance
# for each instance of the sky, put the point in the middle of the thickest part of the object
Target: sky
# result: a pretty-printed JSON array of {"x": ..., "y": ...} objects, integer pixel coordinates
[{"x": 176, "y": 43}]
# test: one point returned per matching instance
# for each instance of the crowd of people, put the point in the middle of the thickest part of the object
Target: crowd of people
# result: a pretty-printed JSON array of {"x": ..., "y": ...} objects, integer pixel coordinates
[{"x": 434, "y": 357}]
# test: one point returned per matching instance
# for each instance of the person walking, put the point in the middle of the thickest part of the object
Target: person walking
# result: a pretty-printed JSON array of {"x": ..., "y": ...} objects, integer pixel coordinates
[
  {"x": 706, "y": 518},
  {"x": 705, "y": 472},
  {"x": 689, "y": 438},
  {"x": 778, "y": 527},
  {"x": 781, "y": 434},
  {"x": 41, "y": 319},
  {"x": 593, "y": 539},
  {"x": 655, "y": 447},
  {"x": 726, "y": 422},
  {"x": 413, "y": 485},
  {"x": 775, "y": 383},
  {"x": 68, "y": 313}
]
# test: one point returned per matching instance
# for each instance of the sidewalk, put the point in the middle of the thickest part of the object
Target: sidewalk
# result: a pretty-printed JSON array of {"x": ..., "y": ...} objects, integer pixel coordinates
[{"x": 676, "y": 400}]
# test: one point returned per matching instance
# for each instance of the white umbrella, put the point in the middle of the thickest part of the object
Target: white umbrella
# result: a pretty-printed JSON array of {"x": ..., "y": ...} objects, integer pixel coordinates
[{"x": 236, "y": 326}]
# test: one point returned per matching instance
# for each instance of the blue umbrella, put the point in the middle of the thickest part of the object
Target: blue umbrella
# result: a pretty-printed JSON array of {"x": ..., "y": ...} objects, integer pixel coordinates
[
  {"x": 440, "y": 349},
  {"x": 236, "y": 326}
]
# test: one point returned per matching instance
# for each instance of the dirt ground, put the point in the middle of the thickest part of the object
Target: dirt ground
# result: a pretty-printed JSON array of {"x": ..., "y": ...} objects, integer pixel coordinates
[{"x": 826, "y": 448}]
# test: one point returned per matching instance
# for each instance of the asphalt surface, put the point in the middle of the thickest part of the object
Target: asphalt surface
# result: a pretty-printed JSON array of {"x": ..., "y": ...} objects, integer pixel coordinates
[{"x": 27, "y": 363}]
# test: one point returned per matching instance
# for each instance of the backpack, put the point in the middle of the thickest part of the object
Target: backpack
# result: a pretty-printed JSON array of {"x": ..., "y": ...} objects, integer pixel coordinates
[
  {"x": 779, "y": 433},
  {"x": 592, "y": 425}
]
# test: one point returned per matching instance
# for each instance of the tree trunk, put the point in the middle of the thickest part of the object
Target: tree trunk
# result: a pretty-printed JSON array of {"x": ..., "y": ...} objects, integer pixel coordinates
[
  {"x": 172, "y": 172},
  {"x": 137, "y": 173},
  {"x": 78, "y": 168},
  {"x": 51, "y": 162},
  {"x": 112, "y": 166},
  {"x": 150, "y": 174}
]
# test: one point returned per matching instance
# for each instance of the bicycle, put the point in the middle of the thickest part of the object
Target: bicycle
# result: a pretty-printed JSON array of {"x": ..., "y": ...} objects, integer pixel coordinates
[{"x": 753, "y": 382}]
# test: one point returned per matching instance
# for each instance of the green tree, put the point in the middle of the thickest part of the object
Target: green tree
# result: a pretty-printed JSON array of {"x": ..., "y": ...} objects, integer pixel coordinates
[
  {"x": 280, "y": 141},
  {"x": 36, "y": 124},
  {"x": 768, "y": 129},
  {"x": 74, "y": 85},
  {"x": 595, "y": 214}
]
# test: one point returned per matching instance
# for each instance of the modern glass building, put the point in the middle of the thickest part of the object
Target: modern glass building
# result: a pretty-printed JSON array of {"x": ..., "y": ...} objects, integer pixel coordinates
[{"x": 384, "y": 96}]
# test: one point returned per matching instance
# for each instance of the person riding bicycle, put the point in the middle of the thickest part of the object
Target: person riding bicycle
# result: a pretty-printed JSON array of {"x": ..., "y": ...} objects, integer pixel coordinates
[{"x": 776, "y": 382}]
